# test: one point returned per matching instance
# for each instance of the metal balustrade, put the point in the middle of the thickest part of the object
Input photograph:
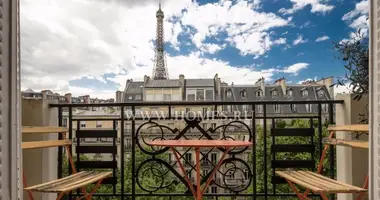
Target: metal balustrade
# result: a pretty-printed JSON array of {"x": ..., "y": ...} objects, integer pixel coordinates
[{"x": 146, "y": 171}]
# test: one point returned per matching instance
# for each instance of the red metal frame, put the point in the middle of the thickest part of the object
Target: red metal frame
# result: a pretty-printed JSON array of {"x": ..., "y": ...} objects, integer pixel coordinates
[
  {"x": 319, "y": 169},
  {"x": 199, "y": 193}
]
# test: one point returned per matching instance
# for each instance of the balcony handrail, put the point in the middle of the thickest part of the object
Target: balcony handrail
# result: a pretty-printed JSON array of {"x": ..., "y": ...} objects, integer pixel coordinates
[{"x": 198, "y": 103}]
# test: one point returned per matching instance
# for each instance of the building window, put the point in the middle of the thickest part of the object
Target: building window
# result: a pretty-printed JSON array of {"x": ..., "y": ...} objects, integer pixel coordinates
[
  {"x": 260, "y": 108},
  {"x": 204, "y": 126},
  {"x": 243, "y": 94},
  {"x": 246, "y": 174},
  {"x": 190, "y": 95},
  {"x": 213, "y": 158},
  {"x": 229, "y": 93},
  {"x": 245, "y": 108},
  {"x": 209, "y": 95},
  {"x": 305, "y": 93},
  {"x": 64, "y": 123},
  {"x": 138, "y": 97},
  {"x": 188, "y": 157},
  {"x": 213, "y": 125},
  {"x": 293, "y": 107},
  {"x": 214, "y": 190},
  {"x": 200, "y": 95},
  {"x": 229, "y": 108},
  {"x": 259, "y": 93},
  {"x": 98, "y": 124},
  {"x": 167, "y": 97},
  {"x": 82, "y": 124},
  {"x": 321, "y": 93},
  {"x": 289, "y": 92},
  {"x": 130, "y": 97},
  {"x": 276, "y": 108},
  {"x": 325, "y": 107},
  {"x": 309, "y": 108},
  {"x": 170, "y": 158},
  {"x": 204, "y": 111},
  {"x": 274, "y": 93}
]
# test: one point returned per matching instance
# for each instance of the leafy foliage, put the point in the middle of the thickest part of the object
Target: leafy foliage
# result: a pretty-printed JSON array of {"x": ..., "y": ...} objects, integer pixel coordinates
[{"x": 355, "y": 54}]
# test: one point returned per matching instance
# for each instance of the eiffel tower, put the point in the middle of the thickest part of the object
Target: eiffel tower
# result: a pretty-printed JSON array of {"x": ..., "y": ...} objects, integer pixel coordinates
[{"x": 160, "y": 71}]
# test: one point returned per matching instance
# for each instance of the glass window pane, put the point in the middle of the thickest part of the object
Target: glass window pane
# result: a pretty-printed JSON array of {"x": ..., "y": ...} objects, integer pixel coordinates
[
  {"x": 191, "y": 97},
  {"x": 200, "y": 95},
  {"x": 209, "y": 95}
]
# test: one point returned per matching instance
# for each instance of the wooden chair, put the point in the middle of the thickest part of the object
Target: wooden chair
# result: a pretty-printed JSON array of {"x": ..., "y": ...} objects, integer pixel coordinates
[
  {"x": 62, "y": 186},
  {"x": 319, "y": 184}
]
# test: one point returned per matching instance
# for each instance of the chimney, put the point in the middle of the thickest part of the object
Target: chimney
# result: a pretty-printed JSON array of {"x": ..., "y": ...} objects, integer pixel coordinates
[
  {"x": 86, "y": 99},
  {"x": 118, "y": 96},
  {"x": 327, "y": 82},
  {"x": 261, "y": 83},
  {"x": 146, "y": 78},
  {"x": 182, "y": 81},
  {"x": 44, "y": 94},
  {"x": 282, "y": 83},
  {"x": 217, "y": 84},
  {"x": 68, "y": 97}
]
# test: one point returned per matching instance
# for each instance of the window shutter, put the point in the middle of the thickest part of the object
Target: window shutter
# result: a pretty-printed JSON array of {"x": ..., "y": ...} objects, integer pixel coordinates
[
  {"x": 374, "y": 189},
  {"x": 10, "y": 136}
]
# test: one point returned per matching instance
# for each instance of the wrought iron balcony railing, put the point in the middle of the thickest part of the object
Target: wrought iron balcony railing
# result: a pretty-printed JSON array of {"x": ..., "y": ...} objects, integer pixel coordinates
[{"x": 143, "y": 171}]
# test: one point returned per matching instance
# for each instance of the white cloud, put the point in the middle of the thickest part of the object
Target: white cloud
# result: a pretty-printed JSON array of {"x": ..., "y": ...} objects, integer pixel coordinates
[
  {"x": 299, "y": 40},
  {"x": 357, "y": 19},
  {"x": 245, "y": 26},
  {"x": 212, "y": 48},
  {"x": 342, "y": 89},
  {"x": 323, "y": 38},
  {"x": 361, "y": 8},
  {"x": 63, "y": 41},
  {"x": 295, "y": 68},
  {"x": 316, "y": 6}
]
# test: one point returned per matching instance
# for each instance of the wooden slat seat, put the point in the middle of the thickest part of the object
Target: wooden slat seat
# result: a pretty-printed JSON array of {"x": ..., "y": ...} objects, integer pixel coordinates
[
  {"x": 349, "y": 143},
  {"x": 315, "y": 181},
  {"x": 64, "y": 185},
  {"x": 318, "y": 183},
  {"x": 45, "y": 144},
  {"x": 69, "y": 183}
]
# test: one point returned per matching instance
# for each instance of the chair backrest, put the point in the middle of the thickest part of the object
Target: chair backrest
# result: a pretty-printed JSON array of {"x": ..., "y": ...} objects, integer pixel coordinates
[
  {"x": 308, "y": 148},
  {"x": 28, "y": 130},
  {"x": 104, "y": 144}
]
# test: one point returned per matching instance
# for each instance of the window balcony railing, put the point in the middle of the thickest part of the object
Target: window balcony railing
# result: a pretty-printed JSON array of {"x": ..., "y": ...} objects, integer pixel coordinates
[{"x": 143, "y": 171}]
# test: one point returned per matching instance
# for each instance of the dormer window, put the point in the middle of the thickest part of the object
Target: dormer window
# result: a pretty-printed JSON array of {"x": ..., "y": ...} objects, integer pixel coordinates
[
  {"x": 274, "y": 93},
  {"x": 305, "y": 93},
  {"x": 321, "y": 93},
  {"x": 243, "y": 94},
  {"x": 259, "y": 93},
  {"x": 289, "y": 92},
  {"x": 229, "y": 93}
]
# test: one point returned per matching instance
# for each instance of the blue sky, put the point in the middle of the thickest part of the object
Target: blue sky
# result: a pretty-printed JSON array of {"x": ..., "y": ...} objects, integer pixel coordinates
[{"x": 93, "y": 48}]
